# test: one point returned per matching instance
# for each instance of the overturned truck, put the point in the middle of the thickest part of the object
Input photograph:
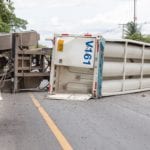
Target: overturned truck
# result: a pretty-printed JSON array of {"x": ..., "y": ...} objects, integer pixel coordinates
[
  {"x": 23, "y": 65},
  {"x": 85, "y": 66}
]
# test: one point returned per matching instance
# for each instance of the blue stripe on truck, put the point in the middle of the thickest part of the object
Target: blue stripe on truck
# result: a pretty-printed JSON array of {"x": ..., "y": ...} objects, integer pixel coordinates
[{"x": 100, "y": 66}]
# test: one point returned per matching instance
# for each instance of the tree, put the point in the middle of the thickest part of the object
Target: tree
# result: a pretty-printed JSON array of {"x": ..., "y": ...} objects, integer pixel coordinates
[
  {"x": 8, "y": 20},
  {"x": 133, "y": 32}
]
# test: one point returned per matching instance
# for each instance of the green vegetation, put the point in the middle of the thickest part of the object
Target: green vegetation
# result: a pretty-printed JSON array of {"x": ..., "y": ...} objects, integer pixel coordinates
[
  {"x": 133, "y": 32},
  {"x": 8, "y": 20}
]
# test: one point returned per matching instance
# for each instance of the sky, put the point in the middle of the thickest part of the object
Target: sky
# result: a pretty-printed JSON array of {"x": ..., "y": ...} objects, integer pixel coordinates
[{"x": 82, "y": 16}]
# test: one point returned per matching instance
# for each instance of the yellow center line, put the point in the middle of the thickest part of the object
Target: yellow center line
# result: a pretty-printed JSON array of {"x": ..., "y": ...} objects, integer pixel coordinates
[{"x": 51, "y": 124}]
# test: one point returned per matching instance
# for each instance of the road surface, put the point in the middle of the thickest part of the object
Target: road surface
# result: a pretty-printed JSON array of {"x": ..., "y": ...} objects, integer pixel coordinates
[{"x": 111, "y": 123}]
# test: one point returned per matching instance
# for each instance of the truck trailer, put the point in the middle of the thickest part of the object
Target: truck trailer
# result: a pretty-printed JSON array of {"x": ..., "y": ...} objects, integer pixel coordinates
[{"x": 87, "y": 66}]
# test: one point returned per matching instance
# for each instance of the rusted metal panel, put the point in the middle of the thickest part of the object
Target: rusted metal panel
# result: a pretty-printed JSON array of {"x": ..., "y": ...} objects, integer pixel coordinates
[
  {"x": 33, "y": 74},
  {"x": 30, "y": 38},
  {"x": 36, "y": 51},
  {"x": 5, "y": 41}
]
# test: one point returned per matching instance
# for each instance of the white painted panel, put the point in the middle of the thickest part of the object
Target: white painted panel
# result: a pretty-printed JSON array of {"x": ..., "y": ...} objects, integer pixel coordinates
[
  {"x": 75, "y": 52},
  {"x": 74, "y": 80},
  {"x": 133, "y": 69},
  {"x": 111, "y": 86},
  {"x": 147, "y": 53},
  {"x": 134, "y": 51},
  {"x": 112, "y": 69},
  {"x": 146, "y": 68},
  {"x": 116, "y": 50},
  {"x": 146, "y": 83},
  {"x": 132, "y": 84},
  {"x": 116, "y": 69}
]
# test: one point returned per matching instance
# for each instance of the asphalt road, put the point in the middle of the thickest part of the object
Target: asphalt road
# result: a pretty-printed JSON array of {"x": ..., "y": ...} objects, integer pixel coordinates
[{"x": 111, "y": 123}]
